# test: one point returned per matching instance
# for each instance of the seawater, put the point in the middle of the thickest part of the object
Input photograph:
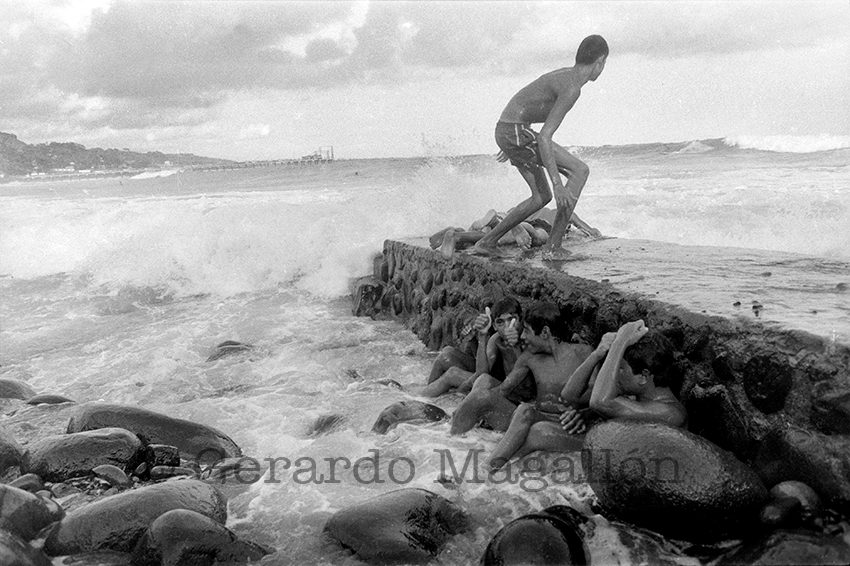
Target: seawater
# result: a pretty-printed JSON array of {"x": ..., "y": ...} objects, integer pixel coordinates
[{"x": 118, "y": 289}]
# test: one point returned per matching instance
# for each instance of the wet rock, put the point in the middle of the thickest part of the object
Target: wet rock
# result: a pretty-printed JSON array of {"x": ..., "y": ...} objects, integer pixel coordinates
[
  {"x": 48, "y": 399},
  {"x": 117, "y": 522},
  {"x": 228, "y": 348},
  {"x": 791, "y": 548},
  {"x": 161, "y": 455},
  {"x": 810, "y": 504},
  {"x": 367, "y": 293},
  {"x": 14, "y": 389},
  {"x": 831, "y": 412},
  {"x": 671, "y": 481},
  {"x": 183, "y": 537},
  {"x": 57, "y": 458},
  {"x": 10, "y": 452},
  {"x": 28, "y": 482},
  {"x": 195, "y": 441},
  {"x": 552, "y": 536},
  {"x": 325, "y": 424},
  {"x": 407, "y": 412},
  {"x": 400, "y": 527},
  {"x": 781, "y": 512},
  {"x": 15, "y": 552},
  {"x": 114, "y": 475},
  {"x": 24, "y": 513},
  {"x": 767, "y": 383}
]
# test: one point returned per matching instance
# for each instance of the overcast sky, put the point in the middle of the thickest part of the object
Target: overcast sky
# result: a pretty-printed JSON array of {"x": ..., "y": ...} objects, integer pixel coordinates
[{"x": 263, "y": 80}]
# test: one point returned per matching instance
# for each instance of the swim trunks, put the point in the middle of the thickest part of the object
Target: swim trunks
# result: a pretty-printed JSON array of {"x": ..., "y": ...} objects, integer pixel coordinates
[{"x": 519, "y": 142}]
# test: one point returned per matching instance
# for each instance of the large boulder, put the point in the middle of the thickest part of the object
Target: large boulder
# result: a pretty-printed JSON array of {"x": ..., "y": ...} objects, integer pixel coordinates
[
  {"x": 195, "y": 441},
  {"x": 406, "y": 526},
  {"x": 25, "y": 514},
  {"x": 117, "y": 522},
  {"x": 551, "y": 536},
  {"x": 64, "y": 456},
  {"x": 671, "y": 481},
  {"x": 186, "y": 537},
  {"x": 15, "y": 552},
  {"x": 14, "y": 389},
  {"x": 407, "y": 412}
]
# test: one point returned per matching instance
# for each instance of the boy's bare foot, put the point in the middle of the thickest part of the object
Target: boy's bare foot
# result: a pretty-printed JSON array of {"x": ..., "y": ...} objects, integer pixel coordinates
[
  {"x": 448, "y": 246},
  {"x": 487, "y": 249},
  {"x": 483, "y": 221}
]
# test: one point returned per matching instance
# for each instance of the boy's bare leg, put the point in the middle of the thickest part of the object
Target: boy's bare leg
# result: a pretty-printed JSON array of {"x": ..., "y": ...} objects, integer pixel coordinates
[
  {"x": 540, "y": 195},
  {"x": 549, "y": 437},
  {"x": 454, "y": 377},
  {"x": 448, "y": 358},
  {"x": 521, "y": 421},
  {"x": 577, "y": 172},
  {"x": 480, "y": 403}
]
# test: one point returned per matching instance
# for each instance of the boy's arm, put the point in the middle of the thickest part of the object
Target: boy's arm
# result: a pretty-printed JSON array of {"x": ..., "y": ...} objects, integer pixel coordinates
[
  {"x": 578, "y": 382},
  {"x": 516, "y": 376},
  {"x": 649, "y": 411},
  {"x": 566, "y": 99},
  {"x": 606, "y": 388}
]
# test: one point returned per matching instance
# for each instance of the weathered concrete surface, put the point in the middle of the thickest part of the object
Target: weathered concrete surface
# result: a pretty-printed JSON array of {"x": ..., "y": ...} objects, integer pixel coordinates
[{"x": 745, "y": 379}]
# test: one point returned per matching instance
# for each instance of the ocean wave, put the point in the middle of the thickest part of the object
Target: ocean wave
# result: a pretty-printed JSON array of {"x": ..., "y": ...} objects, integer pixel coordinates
[{"x": 790, "y": 144}]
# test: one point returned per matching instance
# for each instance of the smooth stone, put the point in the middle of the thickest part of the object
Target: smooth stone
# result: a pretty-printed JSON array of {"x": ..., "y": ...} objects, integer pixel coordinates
[
  {"x": 671, "y": 481},
  {"x": 112, "y": 474},
  {"x": 14, "y": 389},
  {"x": 406, "y": 526},
  {"x": 24, "y": 513},
  {"x": 62, "y": 490},
  {"x": 407, "y": 412},
  {"x": 162, "y": 455},
  {"x": 48, "y": 399},
  {"x": 60, "y": 457},
  {"x": 551, "y": 536},
  {"x": 29, "y": 482},
  {"x": 228, "y": 348},
  {"x": 117, "y": 522},
  {"x": 195, "y": 441},
  {"x": 782, "y": 511},
  {"x": 15, "y": 552},
  {"x": 165, "y": 472},
  {"x": 791, "y": 548},
  {"x": 11, "y": 454},
  {"x": 183, "y": 537},
  {"x": 809, "y": 501}
]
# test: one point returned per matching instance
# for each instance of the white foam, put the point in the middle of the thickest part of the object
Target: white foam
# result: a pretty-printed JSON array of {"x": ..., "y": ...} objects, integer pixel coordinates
[{"x": 790, "y": 144}]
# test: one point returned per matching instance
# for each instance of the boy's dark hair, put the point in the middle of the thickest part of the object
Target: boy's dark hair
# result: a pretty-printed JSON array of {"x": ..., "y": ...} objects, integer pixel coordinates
[
  {"x": 506, "y": 305},
  {"x": 592, "y": 48},
  {"x": 654, "y": 352},
  {"x": 544, "y": 314}
]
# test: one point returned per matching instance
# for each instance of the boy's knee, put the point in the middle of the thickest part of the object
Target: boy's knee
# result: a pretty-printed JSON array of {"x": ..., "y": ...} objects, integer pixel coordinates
[{"x": 525, "y": 413}]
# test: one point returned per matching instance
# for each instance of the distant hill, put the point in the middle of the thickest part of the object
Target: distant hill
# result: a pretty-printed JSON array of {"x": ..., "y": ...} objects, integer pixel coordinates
[{"x": 19, "y": 158}]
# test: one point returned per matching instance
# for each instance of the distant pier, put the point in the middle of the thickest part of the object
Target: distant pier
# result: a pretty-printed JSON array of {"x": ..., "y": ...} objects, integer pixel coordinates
[{"x": 324, "y": 154}]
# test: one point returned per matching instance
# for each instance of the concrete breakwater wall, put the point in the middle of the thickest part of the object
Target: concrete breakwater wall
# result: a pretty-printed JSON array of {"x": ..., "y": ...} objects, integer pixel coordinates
[{"x": 778, "y": 398}]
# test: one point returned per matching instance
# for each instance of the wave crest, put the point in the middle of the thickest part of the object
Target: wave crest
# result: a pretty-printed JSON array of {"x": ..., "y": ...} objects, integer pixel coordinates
[{"x": 790, "y": 144}]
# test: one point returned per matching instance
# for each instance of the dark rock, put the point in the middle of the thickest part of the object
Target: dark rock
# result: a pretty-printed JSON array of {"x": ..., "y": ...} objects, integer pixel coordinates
[
  {"x": 48, "y": 399},
  {"x": 228, "y": 348},
  {"x": 233, "y": 469},
  {"x": 400, "y": 527},
  {"x": 831, "y": 412},
  {"x": 24, "y": 513},
  {"x": 10, "y": 452},
  {"x": 13, "y": 389},
  {"x": 28, "y": 482},
  {"x": 791, "y": 548},
  {"x": 112, "y": 474},
  {"x": 671, "y": 481},
  {"x": 161, "y": 455},
  {"x": 187, "y": 538},
  {"x": 810, "y": 503},
  {"x": 57, "y": 458},
  {"x": 15, "y": 552},
  {"x": 117, "y": 522},
  {"x": 552, "y": 536},
  {"x": 407, "y": 412},
  {"x": 781, "y": 512},
  {"x": 767, "y": 383},
  {"x": 195, "y": 441},
  {"x": 165, "y": 472}
]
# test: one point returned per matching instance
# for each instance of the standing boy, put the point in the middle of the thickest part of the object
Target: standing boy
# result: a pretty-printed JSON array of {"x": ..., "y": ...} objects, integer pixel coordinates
[{"x": 546, "y": 100}]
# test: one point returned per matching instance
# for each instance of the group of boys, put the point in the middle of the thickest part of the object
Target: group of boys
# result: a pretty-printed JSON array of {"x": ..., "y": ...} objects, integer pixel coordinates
[{"x": 529, "y": 381}]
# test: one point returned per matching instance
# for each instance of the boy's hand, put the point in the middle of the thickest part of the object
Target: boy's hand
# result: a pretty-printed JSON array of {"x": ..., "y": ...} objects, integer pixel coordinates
[
  {"x": 572, "y": 422},
  {"x": 482, "y": 322},
  {"x": 605, "y": 342},
  {"x": 511, "y": 334},
  {"x": 633, "y": 331},
  {"x": 501, "y": 157},
  {"x": 561, "y": 195}
]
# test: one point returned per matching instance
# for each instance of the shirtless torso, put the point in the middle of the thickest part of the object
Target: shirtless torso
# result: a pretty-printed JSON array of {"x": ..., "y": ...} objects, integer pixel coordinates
[{"x": 534, "y": 103}]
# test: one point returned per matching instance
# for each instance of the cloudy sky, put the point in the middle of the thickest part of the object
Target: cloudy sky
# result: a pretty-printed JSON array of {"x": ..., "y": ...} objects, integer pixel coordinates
[{"x": 264, "y": 80}]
